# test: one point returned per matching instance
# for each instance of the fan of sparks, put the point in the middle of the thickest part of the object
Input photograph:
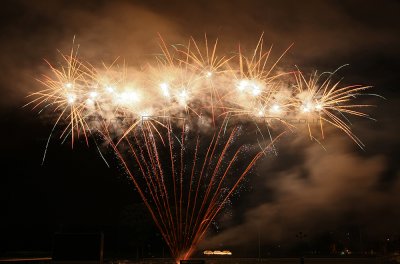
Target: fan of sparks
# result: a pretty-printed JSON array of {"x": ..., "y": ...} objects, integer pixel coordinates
[{"x": 191, "y": 87}]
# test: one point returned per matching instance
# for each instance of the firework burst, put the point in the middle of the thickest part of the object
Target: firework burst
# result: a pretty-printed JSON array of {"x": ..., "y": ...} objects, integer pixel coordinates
[
  {"x": 183, "y": 179},
  {"x": 328, "y": 102}
]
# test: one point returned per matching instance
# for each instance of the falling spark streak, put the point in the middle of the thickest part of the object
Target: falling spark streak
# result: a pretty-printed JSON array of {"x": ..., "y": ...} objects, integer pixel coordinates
[{"x": 183, "y": 198}]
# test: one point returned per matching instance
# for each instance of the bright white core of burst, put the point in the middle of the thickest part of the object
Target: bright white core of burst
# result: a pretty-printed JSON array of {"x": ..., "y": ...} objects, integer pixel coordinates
[
  {"x": 256, "y": 90},
  {"x": 68, "y": 85},
  {"x": 93, "y": 94},
  {"x": 145, "y": 115},
  {"x": 252, "y": 87},
  {"x": 89, "y": 102},
  {"x": 71, "y": 98},
  {"x": 165, "y": 89},
  {"x": 109, "y": 89},
  {"x": 242, "y": 85},
  {"x": 129, "y": 97},
  {"x": 183, "y": 96},
  {"x": 275, "y": 108},
  {"x": 307, "y": 108}
]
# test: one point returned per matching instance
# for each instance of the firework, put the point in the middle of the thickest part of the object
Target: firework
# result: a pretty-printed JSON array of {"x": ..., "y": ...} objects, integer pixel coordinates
[
  {"x": 189, "y": 81},
  {"x": 183, "y": 181},
  {"x": 328, "y": 101}
]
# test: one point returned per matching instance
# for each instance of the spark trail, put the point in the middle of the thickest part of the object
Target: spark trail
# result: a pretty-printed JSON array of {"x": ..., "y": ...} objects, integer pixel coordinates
[{"x": 184, "y": 178}]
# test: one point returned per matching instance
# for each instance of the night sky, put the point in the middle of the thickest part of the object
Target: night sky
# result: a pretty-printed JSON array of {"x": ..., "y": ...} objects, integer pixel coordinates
[{"x": 343, "y": 192}]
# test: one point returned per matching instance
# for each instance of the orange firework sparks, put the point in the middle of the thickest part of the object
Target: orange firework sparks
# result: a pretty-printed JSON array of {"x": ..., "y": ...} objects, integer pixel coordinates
[
  {"x": 183, "y": 179},
  {"x": 190, "y": 80},
  {"x": 329, "y": 102}
]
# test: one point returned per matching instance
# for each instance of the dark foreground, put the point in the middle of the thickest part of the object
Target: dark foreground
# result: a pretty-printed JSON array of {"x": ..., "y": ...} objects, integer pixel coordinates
[
  {"x": 285, "y": 261},
  {"x": 346, "y": 260}
]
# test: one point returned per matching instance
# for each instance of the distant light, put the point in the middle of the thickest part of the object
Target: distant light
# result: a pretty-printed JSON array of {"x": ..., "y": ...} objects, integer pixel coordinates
[
  {"x": 68, "y": 85},
  {"x": 218, "y": 252},
  {"x": 318, "y": 107},
  {"x": 209, "y": 74}
]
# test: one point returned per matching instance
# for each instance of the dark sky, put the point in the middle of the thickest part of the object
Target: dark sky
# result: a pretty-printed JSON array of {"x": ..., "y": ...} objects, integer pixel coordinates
[{"x": 304, "y": 188}]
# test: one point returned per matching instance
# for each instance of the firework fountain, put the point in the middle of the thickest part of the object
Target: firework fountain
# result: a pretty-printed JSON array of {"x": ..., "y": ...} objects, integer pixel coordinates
[{"x": 175, "y": 125}]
